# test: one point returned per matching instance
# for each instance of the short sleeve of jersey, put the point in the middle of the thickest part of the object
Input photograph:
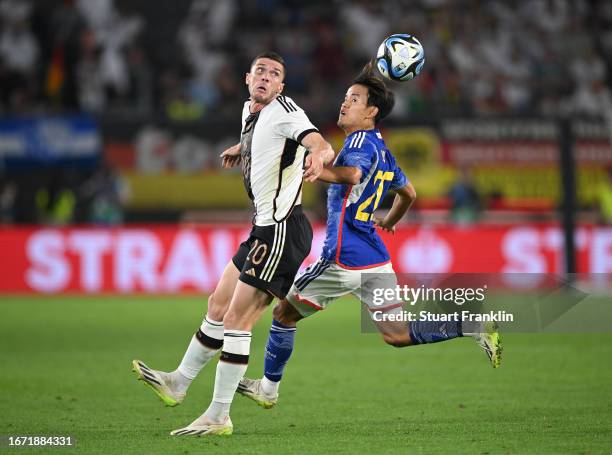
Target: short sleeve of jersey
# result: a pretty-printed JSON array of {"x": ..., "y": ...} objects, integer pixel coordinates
[
  {"x": 295, "y": 125},
  {"x": 399, "y": 179},
  {"x": 360, "y": 158}
]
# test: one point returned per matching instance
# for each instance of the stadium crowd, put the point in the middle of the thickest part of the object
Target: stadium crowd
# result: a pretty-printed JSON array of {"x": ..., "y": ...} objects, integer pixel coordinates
[{"x": 186, "y": 61}]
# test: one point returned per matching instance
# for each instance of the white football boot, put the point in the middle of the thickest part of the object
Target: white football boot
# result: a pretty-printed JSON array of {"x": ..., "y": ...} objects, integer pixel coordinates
[
  {"x": 251, "y": 388},
  {"x": 205, "y": 429},
  {"x": 159, "y": 381}
]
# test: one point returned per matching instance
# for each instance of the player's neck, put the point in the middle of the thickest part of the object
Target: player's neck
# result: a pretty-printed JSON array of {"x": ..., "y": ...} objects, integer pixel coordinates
[
  {"x": 256, "y": 107},
  {"x": 364, "y": 127}
]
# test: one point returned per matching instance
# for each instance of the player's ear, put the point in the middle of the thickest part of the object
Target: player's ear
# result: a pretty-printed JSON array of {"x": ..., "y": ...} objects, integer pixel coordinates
[
  {"x": 247, "y": 78},
  {"x": 280, "y": 88},
  {"x": 372, "y": 112}
]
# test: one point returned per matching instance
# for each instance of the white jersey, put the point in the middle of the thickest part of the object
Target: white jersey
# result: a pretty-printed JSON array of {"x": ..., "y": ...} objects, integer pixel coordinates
[{"x": 273, "y": 158}]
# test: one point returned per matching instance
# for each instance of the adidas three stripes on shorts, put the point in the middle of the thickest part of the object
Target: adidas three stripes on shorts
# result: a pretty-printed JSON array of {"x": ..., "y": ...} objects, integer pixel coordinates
[{"x": 271, "y": 257}]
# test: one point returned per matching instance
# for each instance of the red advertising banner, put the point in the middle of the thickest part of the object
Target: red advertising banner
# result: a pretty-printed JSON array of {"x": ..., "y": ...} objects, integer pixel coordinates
[{"x": 187, "y": 259}]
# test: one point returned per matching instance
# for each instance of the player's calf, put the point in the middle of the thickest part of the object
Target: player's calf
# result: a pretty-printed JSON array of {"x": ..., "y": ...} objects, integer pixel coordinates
[
  {"x": 486, "y": 335},
  {"x": 394, "y": 333},
  {"x": 398, "y": 340}
]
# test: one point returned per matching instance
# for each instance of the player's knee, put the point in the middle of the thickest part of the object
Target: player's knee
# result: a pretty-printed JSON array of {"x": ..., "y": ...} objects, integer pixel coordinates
[
  {"x": 216, "y": 308},
  {"x": 284, "y": 313},
  {"x": 277, "y": 312},
  {"x": 231, "y": 320},
  {"x": 398, "y": 340}
]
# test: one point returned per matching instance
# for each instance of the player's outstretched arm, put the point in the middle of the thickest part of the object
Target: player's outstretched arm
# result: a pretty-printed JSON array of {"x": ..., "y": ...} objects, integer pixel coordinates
[
  {"x": 321, "y": 153},
  {"x": 231, "y": 156},
  {"x": 341, "y": 174},
  {"x": 404, "y": 198}
]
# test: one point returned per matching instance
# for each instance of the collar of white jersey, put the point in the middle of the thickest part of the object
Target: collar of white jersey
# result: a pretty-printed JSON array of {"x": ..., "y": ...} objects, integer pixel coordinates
[{"x": 250, "y": 100}]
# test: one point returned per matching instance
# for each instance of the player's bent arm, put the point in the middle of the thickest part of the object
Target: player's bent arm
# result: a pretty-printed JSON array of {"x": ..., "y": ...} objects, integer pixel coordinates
[
  {"x": 231, "y": 156},
  {"x": 315, "y": 144},
  {"x": 341, "y": 174},
  {"x": 320, "y": 153},
  {"x": 404, "y": 198}
]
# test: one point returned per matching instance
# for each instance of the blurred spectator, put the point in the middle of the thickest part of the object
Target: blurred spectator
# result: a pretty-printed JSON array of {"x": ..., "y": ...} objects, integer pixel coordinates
[
  {"x": 489, "y": 58},
  {"x": 464, "y": 199},
  {"x": 550, "y": 15},
  {"x": 8, "y": 196},
  {"x": 91, "y": 86},
  {"x": 328, "y": 58},
  {"x": 366, "y": 27},
  {"x": 56, "y": 201},
  {"x": 604, "y": 198},
  {"x": 66, "y": 26},
  {"x": 201, "y": 36},
  {"x": 587, "y": 68},
  {"x": 97, "y": 13},
  {"x": 105, "y": 194},
  {"x": 19, "y": 54},
  {"x": 593, "y": 99},
  {"x": 115, "y": 38}
]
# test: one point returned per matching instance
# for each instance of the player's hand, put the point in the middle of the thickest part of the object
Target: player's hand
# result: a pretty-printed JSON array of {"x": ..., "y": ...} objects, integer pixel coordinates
[
  {"x": 313, "y": 166},
  {"x": 231, "y": 156},
  {"x": 381, "y": 224}
]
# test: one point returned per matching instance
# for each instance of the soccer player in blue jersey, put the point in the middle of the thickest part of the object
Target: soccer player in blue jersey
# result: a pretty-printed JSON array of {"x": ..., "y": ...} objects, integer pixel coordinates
[{"x": 363, "y": 172}]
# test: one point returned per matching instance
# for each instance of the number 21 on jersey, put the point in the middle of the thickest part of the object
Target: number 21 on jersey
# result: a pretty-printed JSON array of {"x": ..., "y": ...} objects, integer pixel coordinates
[{"x": 362, "y": 214}]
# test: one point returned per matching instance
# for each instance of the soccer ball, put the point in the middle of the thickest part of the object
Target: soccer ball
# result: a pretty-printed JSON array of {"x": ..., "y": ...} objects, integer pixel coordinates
[{"x": 400, "y": 57}]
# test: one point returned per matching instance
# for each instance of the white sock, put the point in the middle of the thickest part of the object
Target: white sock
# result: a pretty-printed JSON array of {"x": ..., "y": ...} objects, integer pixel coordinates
[
  {"x": 230, "y": 369},
  {"x": 217, "y": 412},
  {"x": 204, "y": 346},
  {"x": 269, "y": 388}
]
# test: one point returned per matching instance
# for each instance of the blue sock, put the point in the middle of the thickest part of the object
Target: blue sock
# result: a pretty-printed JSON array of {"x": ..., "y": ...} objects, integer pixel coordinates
[
  {"x": 422, "y": 332},
  {"x": 278, "y": 350}
]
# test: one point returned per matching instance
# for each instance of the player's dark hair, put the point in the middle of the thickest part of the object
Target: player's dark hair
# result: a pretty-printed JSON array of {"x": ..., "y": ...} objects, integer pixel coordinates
[
  {"x": 378, "y": 93},
  {"x": 272, "y": 56}
]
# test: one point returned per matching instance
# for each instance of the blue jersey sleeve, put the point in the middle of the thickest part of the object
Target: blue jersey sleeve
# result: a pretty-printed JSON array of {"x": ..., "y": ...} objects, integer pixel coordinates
[
  {"x": 399, "y": 179},
  {"x": 361, "y": 158}
]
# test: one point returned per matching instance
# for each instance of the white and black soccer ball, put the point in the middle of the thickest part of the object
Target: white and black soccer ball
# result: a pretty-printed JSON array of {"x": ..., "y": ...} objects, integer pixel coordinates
[{"x": 400, "y": 57}]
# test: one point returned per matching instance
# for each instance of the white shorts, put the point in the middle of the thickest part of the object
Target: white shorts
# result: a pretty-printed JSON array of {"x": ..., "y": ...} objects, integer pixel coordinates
[{"x": 323, "y": 282}]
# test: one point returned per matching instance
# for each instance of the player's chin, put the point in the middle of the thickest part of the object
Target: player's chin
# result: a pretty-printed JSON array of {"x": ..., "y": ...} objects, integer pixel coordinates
[{"x": 263, "y": 99}]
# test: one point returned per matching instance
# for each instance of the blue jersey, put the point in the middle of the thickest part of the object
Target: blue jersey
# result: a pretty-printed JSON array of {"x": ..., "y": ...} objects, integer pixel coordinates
[{"x": 352, "y": 241}]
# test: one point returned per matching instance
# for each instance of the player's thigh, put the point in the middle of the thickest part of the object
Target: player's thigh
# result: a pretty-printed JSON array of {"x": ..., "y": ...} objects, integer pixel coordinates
[
  {"x": 374, "y": 286},
  {"x": 385, "y": 308},
  {"x": 247, "y": 305},
  {"x": 319, "y": 285}
]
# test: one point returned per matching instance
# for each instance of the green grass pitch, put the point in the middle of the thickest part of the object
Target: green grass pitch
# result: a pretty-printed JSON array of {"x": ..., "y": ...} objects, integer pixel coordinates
[{"x": 65, "y": 369}]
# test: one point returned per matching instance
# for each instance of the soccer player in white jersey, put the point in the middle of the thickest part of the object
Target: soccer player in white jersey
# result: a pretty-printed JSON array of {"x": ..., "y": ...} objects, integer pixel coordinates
[
  {"x": 275, "y": 136},
  {"x": 363, "y": 172}
]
